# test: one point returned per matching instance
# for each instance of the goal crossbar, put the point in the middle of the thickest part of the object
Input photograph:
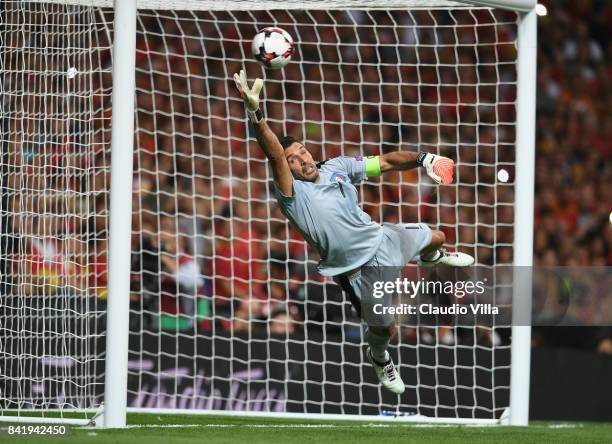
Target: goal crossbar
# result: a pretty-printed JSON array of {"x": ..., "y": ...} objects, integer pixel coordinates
[{"x": 250, "y": 5}]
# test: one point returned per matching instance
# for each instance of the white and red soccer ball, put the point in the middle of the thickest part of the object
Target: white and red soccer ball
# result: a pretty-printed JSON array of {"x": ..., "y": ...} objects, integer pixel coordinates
[{"x": 273, "y": 47}]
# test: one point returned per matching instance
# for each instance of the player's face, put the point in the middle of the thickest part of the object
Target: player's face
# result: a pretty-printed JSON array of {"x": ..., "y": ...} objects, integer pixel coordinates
[{"x": 301, "y": 163}]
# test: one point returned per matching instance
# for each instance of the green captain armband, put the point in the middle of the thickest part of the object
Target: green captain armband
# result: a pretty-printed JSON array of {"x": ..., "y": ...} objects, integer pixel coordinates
[{"x": 373, "y": 166}]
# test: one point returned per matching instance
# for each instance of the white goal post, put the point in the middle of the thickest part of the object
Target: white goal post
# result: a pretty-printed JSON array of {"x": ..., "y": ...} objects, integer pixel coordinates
[{"x": 85, "y": 343}]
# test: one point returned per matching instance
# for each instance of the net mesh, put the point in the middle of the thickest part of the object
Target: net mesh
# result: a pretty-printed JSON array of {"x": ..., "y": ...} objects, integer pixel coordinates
[
  {"x": 227, "y": 310},
  {"x": 55, "y": 84}
]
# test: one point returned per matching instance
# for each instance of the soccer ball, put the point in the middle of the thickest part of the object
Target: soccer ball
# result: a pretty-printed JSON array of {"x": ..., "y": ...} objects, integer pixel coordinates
[{"x": 273, "y": 47}]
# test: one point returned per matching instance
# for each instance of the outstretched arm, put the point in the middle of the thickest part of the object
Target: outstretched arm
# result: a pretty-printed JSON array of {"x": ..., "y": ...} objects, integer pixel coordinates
[
  {"x": 265, "y": 137},
  {"x": 398, "y": 161},
  {"x": 439, "y": 168}
]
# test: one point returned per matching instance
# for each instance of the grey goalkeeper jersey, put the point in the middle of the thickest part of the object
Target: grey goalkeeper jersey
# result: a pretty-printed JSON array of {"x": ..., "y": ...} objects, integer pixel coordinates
[{"x": 329, "y": 218}]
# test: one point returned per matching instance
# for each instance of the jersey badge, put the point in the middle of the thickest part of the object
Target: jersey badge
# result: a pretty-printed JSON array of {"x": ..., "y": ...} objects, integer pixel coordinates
[{"x": 338, "y": 177}]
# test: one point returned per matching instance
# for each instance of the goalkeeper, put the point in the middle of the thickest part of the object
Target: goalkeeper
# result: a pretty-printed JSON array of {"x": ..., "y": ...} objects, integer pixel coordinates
[{"x": 320, "y": 201}]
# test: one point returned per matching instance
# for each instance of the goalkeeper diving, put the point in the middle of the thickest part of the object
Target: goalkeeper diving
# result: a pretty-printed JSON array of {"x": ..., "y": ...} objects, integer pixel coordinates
[{"x": 320, "y": 201}]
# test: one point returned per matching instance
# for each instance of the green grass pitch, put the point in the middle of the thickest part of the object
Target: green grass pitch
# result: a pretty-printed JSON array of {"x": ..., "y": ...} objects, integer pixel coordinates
[{"x": 179, "y": 429}]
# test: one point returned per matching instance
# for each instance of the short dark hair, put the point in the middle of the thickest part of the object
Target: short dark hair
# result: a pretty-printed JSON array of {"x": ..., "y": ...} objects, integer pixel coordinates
[{"x": 286, "y": 141}]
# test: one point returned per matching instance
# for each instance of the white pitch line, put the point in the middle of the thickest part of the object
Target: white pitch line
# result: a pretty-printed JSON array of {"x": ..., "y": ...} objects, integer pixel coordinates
[
  {"x": 284, "y": 426},
  {"x": 250, "y": 426}
]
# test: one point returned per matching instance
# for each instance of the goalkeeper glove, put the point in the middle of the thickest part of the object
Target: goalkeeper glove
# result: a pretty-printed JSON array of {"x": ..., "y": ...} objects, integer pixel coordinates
[
  {"x": 250, "y": 95},
  {"x": 439, "y": 168}
]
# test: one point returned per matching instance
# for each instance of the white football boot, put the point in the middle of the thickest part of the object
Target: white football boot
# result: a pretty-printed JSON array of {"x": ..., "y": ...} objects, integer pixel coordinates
[
  {"x": 449, "y": 259},
  {"x": 387, "y": 374}
]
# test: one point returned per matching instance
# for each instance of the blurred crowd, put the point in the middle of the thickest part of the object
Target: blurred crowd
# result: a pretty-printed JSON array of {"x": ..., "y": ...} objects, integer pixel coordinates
[
  {"x": 210, "y": 248},
  {"x": 54, "y": 168},
  {"x": 573, "y": 202},
  {"x": 574, "y": 136}
]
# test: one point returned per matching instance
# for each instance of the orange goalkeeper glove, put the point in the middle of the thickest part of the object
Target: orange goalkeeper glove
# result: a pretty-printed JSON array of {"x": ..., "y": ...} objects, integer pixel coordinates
[{"x": 439, "y": 168}]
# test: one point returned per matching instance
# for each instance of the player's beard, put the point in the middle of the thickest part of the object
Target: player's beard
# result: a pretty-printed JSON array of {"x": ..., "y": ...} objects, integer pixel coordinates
[{"x": 310, "y": 172}]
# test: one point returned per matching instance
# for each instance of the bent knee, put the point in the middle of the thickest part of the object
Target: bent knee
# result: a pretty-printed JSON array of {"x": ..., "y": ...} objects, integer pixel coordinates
[{"x": 438, "y": 237}]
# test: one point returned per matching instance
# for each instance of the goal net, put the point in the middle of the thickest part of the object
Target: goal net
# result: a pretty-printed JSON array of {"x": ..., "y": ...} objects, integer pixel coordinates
[
  {"x": 227, "y": 310},
  {"x": 55, "y": 89}
]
